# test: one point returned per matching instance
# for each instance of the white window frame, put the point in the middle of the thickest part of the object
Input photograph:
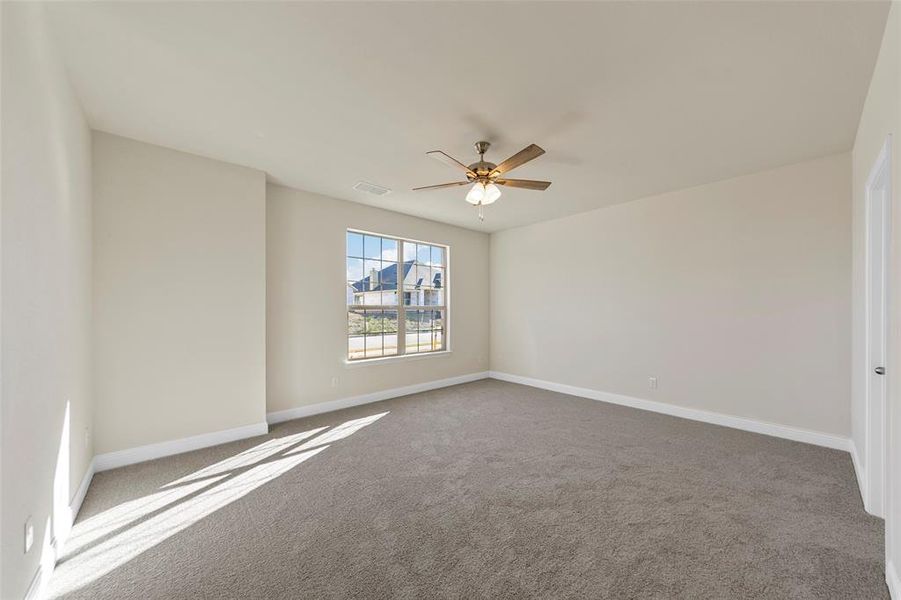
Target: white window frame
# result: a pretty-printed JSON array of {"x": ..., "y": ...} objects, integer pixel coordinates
[{"x": 400, "y": 307}]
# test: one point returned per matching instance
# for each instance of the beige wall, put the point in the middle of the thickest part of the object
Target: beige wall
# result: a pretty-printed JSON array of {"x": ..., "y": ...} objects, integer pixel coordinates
[
  {"x": 46, "y": 294},
  {"x": 881, "y": 117},
  {"x": 736, "y": 295},
  {"x": 307, "y": 320},
  {"x": 179, "y": 289}
]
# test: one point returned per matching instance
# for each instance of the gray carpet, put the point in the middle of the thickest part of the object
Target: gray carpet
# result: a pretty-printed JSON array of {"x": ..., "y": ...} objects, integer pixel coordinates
[{"x": 484, "y": 490}]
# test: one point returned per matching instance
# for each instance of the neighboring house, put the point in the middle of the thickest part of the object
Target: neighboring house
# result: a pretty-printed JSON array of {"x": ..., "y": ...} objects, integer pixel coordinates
[{"x": 418, "y": 290}]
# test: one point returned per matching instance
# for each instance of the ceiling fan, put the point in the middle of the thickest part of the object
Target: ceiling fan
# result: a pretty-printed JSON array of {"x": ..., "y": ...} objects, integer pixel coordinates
[{"x": 486, "y": 176}]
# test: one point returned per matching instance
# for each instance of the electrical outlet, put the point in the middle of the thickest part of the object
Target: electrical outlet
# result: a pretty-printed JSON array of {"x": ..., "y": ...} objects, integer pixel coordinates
[
  {"x": 334, "y": 381},
  {"x": 652, "y": 383},
  {"x": 87, "y": 437},
  {"x": 29, "y": 534}
]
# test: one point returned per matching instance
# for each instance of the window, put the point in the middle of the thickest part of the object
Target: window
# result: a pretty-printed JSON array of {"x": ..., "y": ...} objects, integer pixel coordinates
[{"x": 396, "y": 296}]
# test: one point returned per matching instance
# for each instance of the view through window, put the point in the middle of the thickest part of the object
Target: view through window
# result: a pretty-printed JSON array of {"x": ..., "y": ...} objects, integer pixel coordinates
[{"x": 396, "y": 296}]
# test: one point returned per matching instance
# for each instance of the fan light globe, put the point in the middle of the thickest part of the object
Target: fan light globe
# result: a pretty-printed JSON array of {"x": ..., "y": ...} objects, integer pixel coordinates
[
  {"x": 483, "y": 194},
  {"x": 492, "y": 193},
  {"x": 476, "y": 194}
]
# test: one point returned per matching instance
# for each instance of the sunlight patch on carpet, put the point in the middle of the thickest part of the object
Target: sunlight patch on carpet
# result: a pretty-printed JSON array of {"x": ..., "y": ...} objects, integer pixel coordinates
[{"x": 110, "y": 539}]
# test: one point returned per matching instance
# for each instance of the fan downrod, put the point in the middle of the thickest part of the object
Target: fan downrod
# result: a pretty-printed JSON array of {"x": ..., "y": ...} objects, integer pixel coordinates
[{"x": 481, "y": 169}]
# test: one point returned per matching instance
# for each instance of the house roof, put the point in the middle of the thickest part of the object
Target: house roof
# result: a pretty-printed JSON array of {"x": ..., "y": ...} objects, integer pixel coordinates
[{"x": 388, "y": 279}]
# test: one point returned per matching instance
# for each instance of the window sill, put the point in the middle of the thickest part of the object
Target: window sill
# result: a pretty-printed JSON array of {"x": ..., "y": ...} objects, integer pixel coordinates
[{"x": 393, "y": 359}]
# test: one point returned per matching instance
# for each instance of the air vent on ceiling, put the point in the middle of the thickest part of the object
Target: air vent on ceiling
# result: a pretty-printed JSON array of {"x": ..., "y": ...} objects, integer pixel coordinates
[{"x": 371, "y": 188}]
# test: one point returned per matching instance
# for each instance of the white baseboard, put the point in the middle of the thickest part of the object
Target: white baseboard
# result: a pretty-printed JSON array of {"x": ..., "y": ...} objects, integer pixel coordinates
[
  {"x": 892, "y": 581},
  {"x": 74, "y": 506},
  {"x": 78, "y": 499},
  {"x": 695, "y": 414},
  {"x": 324, "y": 407},
  {"x": 121, "y": 458},
  {"x": 38, "y": 586},
  {"x": 36, "y": 589},
  {"x": 859, "y": 471}
]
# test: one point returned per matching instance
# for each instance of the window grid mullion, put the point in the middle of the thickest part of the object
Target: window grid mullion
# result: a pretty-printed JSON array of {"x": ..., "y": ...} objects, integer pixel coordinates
[{"x": 401, "y": 310}]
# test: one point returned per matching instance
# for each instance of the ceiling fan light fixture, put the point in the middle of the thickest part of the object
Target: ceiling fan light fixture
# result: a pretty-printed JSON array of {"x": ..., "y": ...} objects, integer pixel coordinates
[
  {"x": 482, "y": 193},
  {"x": 485, "y": 177}
]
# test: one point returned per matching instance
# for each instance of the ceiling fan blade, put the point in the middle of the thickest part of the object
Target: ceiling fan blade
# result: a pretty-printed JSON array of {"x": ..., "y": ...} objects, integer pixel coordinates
[
  {"x": 449, "y": 160},
  {"x": 442, "y": 185},
  {"x": 528, "y": 184},
  {"x": 523, "y": 156}
]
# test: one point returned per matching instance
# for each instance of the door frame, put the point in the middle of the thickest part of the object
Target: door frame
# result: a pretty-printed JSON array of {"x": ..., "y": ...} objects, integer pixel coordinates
[{"x": 878, "y": 214}]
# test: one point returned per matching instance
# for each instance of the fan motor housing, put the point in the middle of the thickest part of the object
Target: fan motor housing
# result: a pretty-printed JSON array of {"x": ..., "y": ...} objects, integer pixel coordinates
[{"x": 481, "y": 169}]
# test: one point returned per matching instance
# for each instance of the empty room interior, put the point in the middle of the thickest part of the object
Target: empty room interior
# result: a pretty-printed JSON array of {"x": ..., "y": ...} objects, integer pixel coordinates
[{"x": 377, "y": 300}]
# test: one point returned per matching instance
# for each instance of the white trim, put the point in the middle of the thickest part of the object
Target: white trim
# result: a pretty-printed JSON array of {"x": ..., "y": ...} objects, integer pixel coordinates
[
  {"x": 875, "y": 404},
  {"x": 883, "y": 160},
  {"x": 396, "y": 237},
  {"x": 75, "y": 505},
  {"x": 121, "y": 458},
  {"x": 36, "y": 589},
  {"x": 781, "y": 431},
  {"x": 859, "y": 471},
  {"x": 324, "y": 407},
  {"x": 82, "y": 491},
  {"x": 892, "y": 581},
  {"x": 38, "y": 586},
  {"x": 362, "y": 362}
]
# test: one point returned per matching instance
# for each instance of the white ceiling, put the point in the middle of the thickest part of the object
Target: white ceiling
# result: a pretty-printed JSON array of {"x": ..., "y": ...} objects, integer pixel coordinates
[{"x": 628, "y": 99}]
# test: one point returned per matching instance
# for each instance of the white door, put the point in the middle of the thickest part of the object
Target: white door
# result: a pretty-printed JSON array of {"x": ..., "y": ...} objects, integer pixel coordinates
[{"x": 878, "y": 204}]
